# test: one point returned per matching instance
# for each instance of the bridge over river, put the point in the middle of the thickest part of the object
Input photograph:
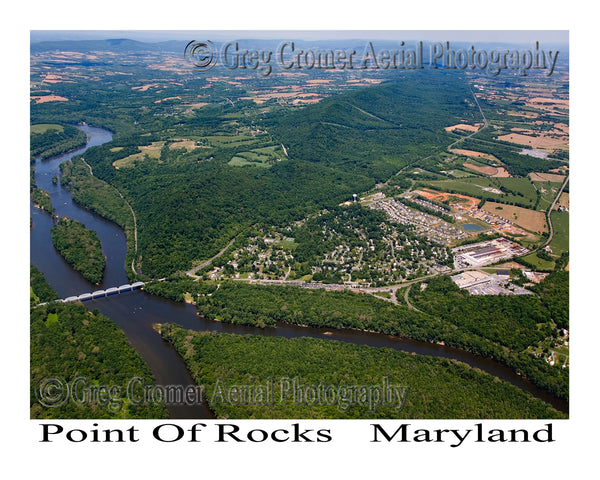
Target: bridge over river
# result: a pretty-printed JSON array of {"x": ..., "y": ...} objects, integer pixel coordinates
[{"x": 102, "y": 293}]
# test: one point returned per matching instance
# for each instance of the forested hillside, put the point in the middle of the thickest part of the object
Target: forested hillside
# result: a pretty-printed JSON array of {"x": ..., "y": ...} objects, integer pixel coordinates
[
  {"x": 377, "y": 130},
  {"x": 189, "y": 206}
]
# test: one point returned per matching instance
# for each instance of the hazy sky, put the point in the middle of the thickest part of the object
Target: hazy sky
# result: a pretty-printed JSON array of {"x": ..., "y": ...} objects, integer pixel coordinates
[{"x": 491, "y": 36}]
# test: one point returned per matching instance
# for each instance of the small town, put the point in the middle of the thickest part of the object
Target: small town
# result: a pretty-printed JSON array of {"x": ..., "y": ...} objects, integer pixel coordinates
[{"x": 429, "y": 226}]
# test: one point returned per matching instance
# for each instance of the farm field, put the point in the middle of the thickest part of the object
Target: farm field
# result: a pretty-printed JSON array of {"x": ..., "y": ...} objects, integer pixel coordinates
[
  {"x": 560, "y": 240},
  {"x": 546, "y": 177},
  {"x": 458, "y": 173},
  {"x": 231, "y": 141},
  {"x": 488, "y": 170},
  {"x": 519, "y": 190},
  {"x": 292, "y": 96},
  {"x": 48, "y": 98},
  {"x": 523, "y": 217},
  {"x": 451, "y": 198},
  {"x": 152, "y": 150},
  {"x": 464, "y": 127},
  {"x": 261, "y": 157},
  {"x": 540, "y": 142},
  {"x": 473, "y": 186},
  {"x": 521, "y": 187},
  {"x": 563, "y": 201},
  {"x": 44, "y": 127},
  {"x": 475, "y": 154},
  {"x": 189, "y": 145}
]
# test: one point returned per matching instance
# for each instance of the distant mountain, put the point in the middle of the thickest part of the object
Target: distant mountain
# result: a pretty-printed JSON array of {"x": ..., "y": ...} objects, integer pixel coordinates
[
  {"x": 118, "y": 45},
  {"x": 375, "y": 131},
  {"x": 125, "y": 45}
]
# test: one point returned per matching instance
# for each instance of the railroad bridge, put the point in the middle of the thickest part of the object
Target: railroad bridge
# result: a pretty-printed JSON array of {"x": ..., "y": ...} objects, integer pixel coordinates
[{"x": 102, "y": 293}]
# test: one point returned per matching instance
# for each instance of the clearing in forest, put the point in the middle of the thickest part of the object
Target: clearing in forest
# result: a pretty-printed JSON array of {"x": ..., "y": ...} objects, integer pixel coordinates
[{"x": 152, "y": 150}]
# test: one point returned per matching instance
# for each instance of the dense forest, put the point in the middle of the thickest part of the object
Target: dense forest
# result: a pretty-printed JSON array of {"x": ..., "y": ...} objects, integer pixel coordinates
[
  {"x": 41, "y": 199},
  {"x": 39, "y": 290},
  {"x": 497, "y": 327},
  {"x": 510, "y": 324},
  {"x": 191, "y": 212},
  {"x": 68, "y": 343},
  {"x": 377, "y": 131},
  {"x": 437, "y": 388},
  {"x": 80, "y": 247},
  {"x": 49, "y": 140},
  {"x": 554, "y": 294}
]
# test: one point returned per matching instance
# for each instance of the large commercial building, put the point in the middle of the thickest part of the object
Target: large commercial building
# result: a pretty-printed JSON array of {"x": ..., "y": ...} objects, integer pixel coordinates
[{"x": 487, "y": 253}]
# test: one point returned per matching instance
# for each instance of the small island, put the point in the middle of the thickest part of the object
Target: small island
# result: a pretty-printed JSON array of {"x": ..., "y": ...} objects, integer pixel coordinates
[
  {"x": 41, "y": 200},
  {"x": 80, "y": 247}
]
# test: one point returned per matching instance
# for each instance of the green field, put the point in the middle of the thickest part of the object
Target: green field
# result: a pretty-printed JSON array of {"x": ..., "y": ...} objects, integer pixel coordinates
[
  {"x": 239, "y": 161},
  {"x": 287, "y": 244},
  {"x": 548, "y": 191},
  {"x": 151, "y": 151},
  {"x": 521, "y": 187},
  {"x": 539, "y": 263},
  {"x": 260, "y": 157},
  {"x": 468, "y": 186},
  {"x": 230, "y": 141},
  {"x": 519, "y": 191},
  {"x": 51, "y": 319},
  {"x": 44, "y": 127},
  {"x": 457, "y": 173},
  {"x": 560, "y": 240}
]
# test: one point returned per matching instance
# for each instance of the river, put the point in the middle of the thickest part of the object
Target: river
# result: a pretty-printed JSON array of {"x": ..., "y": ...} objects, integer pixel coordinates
[{"x": 136, "y": 312}]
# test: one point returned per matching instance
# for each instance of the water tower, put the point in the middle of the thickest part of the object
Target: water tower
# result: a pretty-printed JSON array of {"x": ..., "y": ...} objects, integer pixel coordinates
[{"x": 355, "y": 196}]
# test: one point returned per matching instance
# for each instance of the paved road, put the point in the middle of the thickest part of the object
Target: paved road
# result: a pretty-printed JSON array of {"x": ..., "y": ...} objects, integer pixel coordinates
[
  {"x": 549, "y": 211},
  {"x": 410, "y": 305},
  {"x": 192, "y": 272}
]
